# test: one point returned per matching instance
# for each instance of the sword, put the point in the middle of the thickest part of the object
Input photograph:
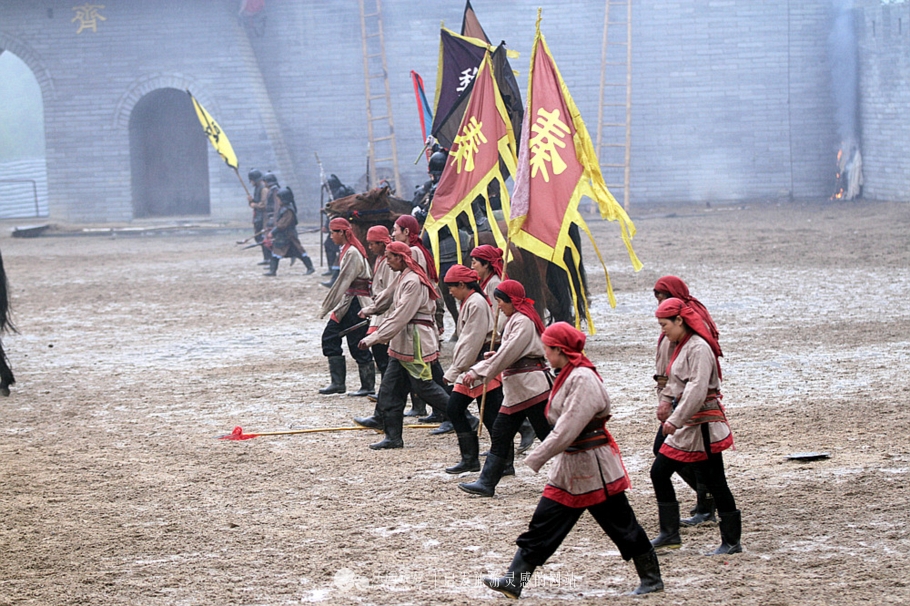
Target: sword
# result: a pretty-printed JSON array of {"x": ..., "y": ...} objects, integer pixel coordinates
[{"x": 351, "y": 329}]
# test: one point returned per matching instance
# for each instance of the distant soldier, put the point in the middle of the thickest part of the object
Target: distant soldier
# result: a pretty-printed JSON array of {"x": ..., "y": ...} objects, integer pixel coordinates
[
  {"x": 285, "y": 242},
  {"x": 257, "y": 203}
]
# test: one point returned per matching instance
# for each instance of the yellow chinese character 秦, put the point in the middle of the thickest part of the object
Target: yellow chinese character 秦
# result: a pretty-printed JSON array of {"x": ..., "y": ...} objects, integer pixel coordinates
[
  {"x": 468, "y": 143},
  {"x": 549, "y": 132},
  {"x": 88, "y": 17}
]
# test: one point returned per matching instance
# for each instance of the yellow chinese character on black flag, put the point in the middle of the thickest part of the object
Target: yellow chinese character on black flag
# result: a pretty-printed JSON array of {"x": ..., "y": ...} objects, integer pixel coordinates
[
  {"x": 88, "y": 17},
  {"x": 468, "y": 143},
  {"x": 548, "y": 131}
]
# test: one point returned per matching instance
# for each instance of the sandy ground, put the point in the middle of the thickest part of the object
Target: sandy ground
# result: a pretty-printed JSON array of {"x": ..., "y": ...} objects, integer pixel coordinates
[{"x": 135, "y": 353}]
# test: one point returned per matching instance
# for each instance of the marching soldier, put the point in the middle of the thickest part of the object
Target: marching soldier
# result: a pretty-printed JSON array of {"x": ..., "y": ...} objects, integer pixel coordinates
[
  {"x": 348, "y": 295},
  {"x": 257, "y": 203},
  {"x": 285, "y": 242},
  {"x": 413, "y": 346},
  {"x": 383, "y": 276}
]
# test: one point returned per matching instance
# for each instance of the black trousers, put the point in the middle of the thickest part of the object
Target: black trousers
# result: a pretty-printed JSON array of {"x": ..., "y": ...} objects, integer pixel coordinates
[
  {"x": 552, "y": 522},
  {"x": 686, "y": 472},
  {"x": 506, "y": 426},
  {"x": 710, "y": 473},
  {"x": 397, "y": 383},
  {"x": 381, "y": 355},
  {"x": 331, "y": 342},
  {"x": 459, "y": 402}
]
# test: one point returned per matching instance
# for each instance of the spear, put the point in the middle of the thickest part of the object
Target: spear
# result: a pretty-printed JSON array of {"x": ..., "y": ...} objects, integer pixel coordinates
[{"x": 238, "y": 434}]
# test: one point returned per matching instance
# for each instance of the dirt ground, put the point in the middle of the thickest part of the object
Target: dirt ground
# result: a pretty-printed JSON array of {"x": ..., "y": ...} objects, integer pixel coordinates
[{"x": 134, "y": 353}]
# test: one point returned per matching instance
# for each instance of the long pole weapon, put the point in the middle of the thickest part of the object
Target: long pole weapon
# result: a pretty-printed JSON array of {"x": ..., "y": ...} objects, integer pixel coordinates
[
  {"x": 238, "y": 434},
  {"x": 322, "y": 191}
]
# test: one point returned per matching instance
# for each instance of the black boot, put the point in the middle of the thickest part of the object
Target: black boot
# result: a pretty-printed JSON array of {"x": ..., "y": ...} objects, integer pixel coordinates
[
  {"x": 731, "y": 529},
  {"x": 372, "y": 422},
  {"x": 515, "y": 579},
  {"x": 367, "y": 380},
  {"x": 469, "y": 446},
  {"x": 393, "y": 426},
  {"x": 485, "y": 486},
  {"x": 308, "y": 263},
  {"x": 418, "y": 407},
  {"x": 434, "y": 417},
  {"x": 509, "y": 469},
  {"x": 266, "y": 255},
  {"x": 445, "y": 426},
  {"x": 648, "y": 570},
  {"x": 704, "y": 509},
  {"x": 668, "y": 514},
  {"x": 337, "y": 371},
  {"x": 273, "y": 267},
  {"x": 331, "y": 282},
  {"x": 526, "y": 431}
]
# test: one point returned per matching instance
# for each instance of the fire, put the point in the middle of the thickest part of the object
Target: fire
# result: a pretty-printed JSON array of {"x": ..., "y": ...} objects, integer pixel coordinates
[{"x": 848, "y": 176}]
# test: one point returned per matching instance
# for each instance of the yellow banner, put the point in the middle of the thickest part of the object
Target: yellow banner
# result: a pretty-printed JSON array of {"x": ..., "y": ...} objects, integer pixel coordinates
[{"x": 216, "y": 136}]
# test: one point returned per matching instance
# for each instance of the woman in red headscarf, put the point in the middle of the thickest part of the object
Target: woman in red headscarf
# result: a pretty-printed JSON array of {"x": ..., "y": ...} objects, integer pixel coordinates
[
  {"x": 486, "y": 260},
  {"x": 697, "y": 431},
  {"x": 665, "y": 288},
  {"x": 525, "y": 383},
  {"x": 475, "y": 325},
  {"x": 587, "y": 471},
  {"x": 377, "y": 239},
  {"x": 347, "y": 296}
]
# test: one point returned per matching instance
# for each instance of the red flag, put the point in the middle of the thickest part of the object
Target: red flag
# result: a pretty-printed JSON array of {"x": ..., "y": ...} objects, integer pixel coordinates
[
  {"x": 484, "y": 138},
  {"x": 557, "y": 166}
]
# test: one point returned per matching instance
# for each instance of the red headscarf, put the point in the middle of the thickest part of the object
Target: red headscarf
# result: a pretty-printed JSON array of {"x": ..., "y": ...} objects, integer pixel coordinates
[
  {"x": 678, "y": 290},
  {"x": 516, "y": 292},
  {"x": 460, "y": 273},
  {"x": 404, "y": 251},
  {"x": 379, "y": 233},
  {"x": 409, "y": 223},
  {"x": 490, "y": 254},
  {"x": 341, "y": 224},
  {"x": 673, "y": 307},
  {"x": 572, "y": 343}
]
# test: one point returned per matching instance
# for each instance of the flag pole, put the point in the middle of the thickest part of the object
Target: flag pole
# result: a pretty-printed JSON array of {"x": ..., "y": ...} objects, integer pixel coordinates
[{"x": 237, "y": 172}]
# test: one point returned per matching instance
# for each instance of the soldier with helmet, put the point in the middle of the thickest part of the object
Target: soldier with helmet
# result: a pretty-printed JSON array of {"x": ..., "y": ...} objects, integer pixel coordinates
[
  {"x": 257, "y": 203},
  {"x": 285, "y": 242}
]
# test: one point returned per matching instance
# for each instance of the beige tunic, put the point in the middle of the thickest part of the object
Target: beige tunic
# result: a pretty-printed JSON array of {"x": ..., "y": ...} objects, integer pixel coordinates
[
  {"x": 383, "y": 277},
  {"x": 353, "y": 266},
  {"x": 693, "y": 373},
  {"x": 410, "y": 312},
  {"x": 579, "y": 479},
  {"x": 475, "y": 325},
  {"x": 524, "y": 389},
  {"x": 490, "y": 287}
]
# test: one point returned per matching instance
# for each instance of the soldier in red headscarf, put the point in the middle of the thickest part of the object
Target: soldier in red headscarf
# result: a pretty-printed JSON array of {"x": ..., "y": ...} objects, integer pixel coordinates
[
  {"x": 697, "y": 431},
  {"x": 383, "y": 276},
  {"x": 703, "y": 512},
  {"x": 587, "y": 471},
  {"x": 348, "y": 295},
  {"x": 525, "y": 381},
  {"x": 475, "y": 323},
  {"x": 409, "y": 330}
]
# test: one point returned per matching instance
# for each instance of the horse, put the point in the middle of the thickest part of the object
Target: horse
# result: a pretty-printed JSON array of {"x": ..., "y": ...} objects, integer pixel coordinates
[
  {"x": 545, "y": 282},
  {"x": 6, "y": 325}
]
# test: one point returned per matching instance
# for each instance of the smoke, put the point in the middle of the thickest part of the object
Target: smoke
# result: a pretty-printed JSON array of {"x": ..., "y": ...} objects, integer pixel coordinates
[{"x": 844, "y": 71}]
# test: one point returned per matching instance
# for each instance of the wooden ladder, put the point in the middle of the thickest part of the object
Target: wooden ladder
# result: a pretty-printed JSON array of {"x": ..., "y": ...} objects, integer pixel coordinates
[
  {"x": 382, "y": 152},
  {"x": 614, "y": 117}
]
